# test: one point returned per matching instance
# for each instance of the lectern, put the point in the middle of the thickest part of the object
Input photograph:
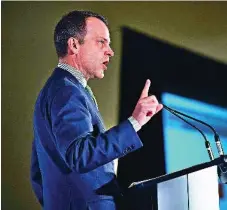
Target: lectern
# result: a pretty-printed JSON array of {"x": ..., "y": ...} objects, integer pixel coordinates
[{"x": 194, "y": 188}]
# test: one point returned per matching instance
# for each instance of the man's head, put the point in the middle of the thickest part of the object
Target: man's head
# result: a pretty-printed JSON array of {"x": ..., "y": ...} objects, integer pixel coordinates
[{"x": 82, "y": 40}]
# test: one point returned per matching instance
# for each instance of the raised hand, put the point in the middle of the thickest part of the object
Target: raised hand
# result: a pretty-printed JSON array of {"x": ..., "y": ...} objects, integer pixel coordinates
[{"x": 147, "y": 106}]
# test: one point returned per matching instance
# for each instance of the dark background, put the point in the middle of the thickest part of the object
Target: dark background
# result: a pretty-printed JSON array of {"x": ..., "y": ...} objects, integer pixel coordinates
[{"x": 170, "y": 69}]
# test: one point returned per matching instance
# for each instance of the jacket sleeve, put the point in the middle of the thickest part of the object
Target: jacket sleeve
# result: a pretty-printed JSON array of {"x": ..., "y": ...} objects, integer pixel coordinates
[
  {"x": 36, "y": 178},
  {"x": 72, "y": 128}
]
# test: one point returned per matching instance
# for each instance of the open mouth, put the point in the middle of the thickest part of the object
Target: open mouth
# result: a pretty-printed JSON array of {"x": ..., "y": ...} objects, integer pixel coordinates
[{"x": 106, "y": 63}]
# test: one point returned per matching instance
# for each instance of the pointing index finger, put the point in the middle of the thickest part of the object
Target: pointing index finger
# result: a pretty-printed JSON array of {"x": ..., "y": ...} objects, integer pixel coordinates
[{"x": 145, "y": 89}]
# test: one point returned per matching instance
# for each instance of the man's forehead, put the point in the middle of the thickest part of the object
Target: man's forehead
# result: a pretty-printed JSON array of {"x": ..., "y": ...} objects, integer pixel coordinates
[{"x": 97, "y": 27}]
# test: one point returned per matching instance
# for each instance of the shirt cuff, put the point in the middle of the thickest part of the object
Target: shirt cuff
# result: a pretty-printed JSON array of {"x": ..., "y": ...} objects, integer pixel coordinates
[{"x": 134, "y": 123}]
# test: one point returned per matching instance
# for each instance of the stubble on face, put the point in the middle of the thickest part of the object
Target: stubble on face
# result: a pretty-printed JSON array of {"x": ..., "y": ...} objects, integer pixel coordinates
[{"x": 94, "y": 53}]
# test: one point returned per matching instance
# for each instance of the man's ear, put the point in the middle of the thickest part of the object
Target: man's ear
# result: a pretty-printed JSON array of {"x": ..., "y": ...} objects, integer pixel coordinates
[{"x": 73, "y": 45}]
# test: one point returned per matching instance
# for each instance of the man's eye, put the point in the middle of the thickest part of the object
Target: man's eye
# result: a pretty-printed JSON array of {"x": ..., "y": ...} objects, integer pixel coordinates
[{"x": 102, "y": 41}]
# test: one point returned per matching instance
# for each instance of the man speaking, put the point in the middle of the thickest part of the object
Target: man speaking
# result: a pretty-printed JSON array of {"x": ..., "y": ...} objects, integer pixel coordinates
[{"x": 72, "y": 164}]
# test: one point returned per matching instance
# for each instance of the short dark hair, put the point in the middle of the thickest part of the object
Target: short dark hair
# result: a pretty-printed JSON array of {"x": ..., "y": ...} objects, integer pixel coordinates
[{"x": 72, "y": 24}]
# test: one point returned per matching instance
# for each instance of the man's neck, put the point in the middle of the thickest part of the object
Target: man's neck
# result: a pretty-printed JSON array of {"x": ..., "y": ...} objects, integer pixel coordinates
[{"x": 73, "y": 64}]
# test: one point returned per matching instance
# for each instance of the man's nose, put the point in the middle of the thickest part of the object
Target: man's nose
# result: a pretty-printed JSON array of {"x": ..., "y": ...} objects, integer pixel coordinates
[{"x": 110, "y": 52}]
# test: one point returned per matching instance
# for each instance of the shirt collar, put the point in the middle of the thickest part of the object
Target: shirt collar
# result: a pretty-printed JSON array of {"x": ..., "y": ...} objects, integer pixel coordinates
[{"x": 76, "y": 73}]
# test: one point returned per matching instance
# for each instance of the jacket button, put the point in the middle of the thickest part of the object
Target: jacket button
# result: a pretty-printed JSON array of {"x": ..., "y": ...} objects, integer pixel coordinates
[
  {"x": 127, "y": 150},
  {"x": 132, "y": 146}
]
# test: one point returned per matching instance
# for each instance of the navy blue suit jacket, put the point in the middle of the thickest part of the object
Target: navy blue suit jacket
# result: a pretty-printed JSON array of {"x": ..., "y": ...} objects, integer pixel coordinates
[{"x": 72, "y": 153}]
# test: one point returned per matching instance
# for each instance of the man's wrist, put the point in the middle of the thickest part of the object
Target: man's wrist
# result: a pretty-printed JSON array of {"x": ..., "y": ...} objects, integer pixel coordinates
[{"x": 134, "y": 123}]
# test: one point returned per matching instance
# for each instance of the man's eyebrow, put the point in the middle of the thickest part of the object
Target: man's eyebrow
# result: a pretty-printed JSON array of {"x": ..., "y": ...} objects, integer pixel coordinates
[{"x": 106, "y": 40}]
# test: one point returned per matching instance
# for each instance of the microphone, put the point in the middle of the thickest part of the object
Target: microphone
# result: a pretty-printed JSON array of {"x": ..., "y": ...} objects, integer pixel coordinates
[
  {"x": 216, "y": 136},
  {"x": 222, "y": 167},
  {"x": 207, "y": 143}
]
